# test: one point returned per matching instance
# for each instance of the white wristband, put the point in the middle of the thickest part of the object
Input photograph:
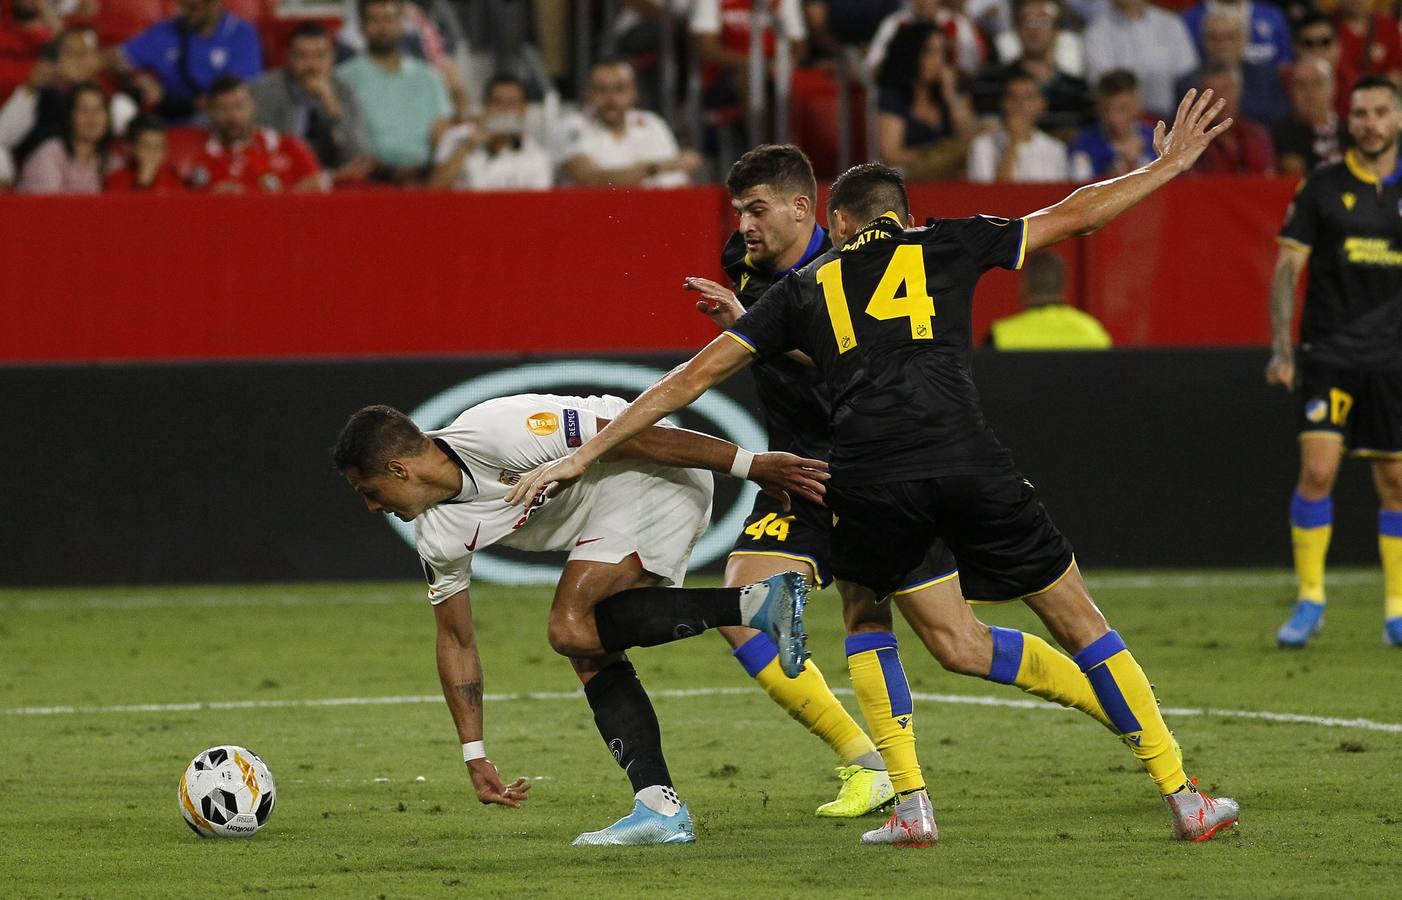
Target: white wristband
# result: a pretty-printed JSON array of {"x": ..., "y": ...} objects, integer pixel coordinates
[
  {"x": 740, "y": 466},
  {"x": 473, "y": 750}
]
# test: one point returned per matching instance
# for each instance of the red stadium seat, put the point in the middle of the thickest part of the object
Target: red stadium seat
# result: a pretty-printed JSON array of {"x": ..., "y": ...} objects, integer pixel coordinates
[{"x": 115, "y": 22}]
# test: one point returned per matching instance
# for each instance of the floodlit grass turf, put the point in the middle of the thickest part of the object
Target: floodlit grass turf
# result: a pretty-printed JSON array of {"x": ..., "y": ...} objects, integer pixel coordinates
[{"x": 1030, "y": 802}]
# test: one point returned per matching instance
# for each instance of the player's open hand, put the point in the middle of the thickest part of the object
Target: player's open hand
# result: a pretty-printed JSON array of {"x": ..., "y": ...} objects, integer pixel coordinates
[
  {"x": 547, "y": 480},
  {"x": 717, "y": 301},
  {"x": 781, "y": 475},
  {"x": 487, "y": 782},
  {"x": 1190, "y": 134},
  {"x": 1281, "y": 370}
]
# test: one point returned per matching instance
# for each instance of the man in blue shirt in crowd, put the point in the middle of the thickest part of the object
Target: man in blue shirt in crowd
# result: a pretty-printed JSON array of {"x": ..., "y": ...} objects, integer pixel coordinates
[{"x": 178, "y": 59}]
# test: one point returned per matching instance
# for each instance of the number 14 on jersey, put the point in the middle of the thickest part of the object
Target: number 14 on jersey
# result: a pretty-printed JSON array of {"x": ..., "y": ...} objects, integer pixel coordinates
[{"x": 905, "y": 270}]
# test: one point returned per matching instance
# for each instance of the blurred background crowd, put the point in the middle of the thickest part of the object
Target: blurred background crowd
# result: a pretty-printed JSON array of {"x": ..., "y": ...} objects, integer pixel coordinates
[{"x": 317, "y": 95}]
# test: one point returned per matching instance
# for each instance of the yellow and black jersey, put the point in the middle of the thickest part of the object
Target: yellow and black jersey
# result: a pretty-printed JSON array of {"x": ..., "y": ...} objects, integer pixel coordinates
[
  {"x": 797, "y": 413},
  {"x": 887, "y": 321},
  {"x": 1351, "y": 222}
]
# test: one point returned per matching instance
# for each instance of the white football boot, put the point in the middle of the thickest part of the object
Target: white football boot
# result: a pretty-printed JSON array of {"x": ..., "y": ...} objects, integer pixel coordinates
[
  {"x": 1198, "y": 817},
  {"x": 911, "y": 825}
]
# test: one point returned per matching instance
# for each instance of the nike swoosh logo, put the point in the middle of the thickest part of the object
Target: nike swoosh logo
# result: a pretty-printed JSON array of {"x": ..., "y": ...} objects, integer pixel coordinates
[
  {"x": 581, "y": 543},
  {"x": 473, "y": 546}
]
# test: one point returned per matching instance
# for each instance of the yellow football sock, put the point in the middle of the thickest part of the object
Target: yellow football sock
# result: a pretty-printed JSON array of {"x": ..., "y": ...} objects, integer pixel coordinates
[
  {"x": 884, "y": 696},
  {"x": 1028, "y": 662},
  {"x": 1390, "y": 549},
  {"x": 809, "y": 700},
  {"x": 1128, "y": 699},
  {"x": 1311, "y": 525}
]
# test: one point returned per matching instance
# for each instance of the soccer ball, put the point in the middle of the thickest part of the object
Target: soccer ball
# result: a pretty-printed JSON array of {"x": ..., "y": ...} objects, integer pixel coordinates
[{"x": 227, "y": 791}]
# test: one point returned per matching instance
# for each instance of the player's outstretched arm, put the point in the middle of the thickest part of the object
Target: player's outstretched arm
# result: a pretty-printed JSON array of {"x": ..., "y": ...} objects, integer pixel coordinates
[
  {"x": 1289, "y": 266},
  {"x": 778, "y": 474},
  {"x": 716, "y": 362},
  {"x": 460, "y": 671},
  {"x": 1091, "y": 207}
]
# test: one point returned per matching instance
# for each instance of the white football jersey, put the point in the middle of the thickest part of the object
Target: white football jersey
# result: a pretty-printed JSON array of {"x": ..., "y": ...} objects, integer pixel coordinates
[{"x": 494, "y": 443}]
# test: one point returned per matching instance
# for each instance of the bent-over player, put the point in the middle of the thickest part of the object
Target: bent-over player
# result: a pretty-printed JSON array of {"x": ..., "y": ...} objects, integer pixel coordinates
[{"x": 632, "y": 523}]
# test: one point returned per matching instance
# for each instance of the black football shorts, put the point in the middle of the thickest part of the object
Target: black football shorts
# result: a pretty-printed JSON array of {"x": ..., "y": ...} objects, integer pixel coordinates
[
  {"x": 1004, "y": 541},
  {"x": 1363, "y": 409},
  {"x": 804, "y": 534}
]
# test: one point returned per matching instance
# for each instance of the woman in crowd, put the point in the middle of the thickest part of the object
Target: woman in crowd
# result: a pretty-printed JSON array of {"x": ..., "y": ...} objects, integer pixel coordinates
[
  {"x": 926, "y": 115},
  {"x": 74, "y": 162}
]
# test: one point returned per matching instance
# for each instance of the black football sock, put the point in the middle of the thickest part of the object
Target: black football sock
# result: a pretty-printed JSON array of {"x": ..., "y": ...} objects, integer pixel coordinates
[
  {"x": 625, "y": 719},
  {"x": 646, "y": 617}
]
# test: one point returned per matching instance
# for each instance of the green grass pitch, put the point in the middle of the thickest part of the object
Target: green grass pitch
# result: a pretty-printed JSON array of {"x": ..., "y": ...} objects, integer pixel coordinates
[{"x": 1030, "y": 801}]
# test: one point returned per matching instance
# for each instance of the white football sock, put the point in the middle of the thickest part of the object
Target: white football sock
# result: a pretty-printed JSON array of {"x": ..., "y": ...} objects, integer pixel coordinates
[
  {"x": 752, "y": 597},
  {"x": 660, "y": 798}
]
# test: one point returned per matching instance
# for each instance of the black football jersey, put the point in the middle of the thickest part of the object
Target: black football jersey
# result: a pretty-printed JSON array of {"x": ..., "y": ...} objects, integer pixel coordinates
[
  {"x": 1352, "y": 224},
  {"x": 795, "y": 403},
  {"x": 887, "y": 319}
]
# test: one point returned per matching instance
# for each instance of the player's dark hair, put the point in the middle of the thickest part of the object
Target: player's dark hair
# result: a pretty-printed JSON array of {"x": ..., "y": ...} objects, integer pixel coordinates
[
  {"x": 309, "y": 28},
  {"x": 868, "y": 190},
  {"x": 374, "y": 436},
  {"x": 1115, "y": 82},
  {"x": 224, "y": 84},
  {"x": 782, "y": 167},
  {"x": 1374, "y": 82}
]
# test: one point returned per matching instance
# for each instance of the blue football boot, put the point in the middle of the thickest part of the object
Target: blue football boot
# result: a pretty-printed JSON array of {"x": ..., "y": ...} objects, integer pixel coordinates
[
  {"x": 643, "y": 826},
  {"x": 1304, "y": 623},
  {"x": 781, "y": 617},
  {"x": 1392, "y": 632}
]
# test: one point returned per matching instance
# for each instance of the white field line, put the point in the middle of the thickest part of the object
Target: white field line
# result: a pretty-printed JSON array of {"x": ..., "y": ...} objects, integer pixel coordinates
[
  {"x": 73, "y": 599},
  {"x": 949, "y": 699}
]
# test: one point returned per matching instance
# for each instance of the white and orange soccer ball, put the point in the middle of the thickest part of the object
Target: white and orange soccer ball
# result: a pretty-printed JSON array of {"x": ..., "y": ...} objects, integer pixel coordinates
[{"x": 227, "y": 791}]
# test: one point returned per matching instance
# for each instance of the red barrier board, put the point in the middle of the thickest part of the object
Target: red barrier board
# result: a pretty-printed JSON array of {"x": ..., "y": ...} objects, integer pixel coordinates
[{"x": 390, "y": 273}]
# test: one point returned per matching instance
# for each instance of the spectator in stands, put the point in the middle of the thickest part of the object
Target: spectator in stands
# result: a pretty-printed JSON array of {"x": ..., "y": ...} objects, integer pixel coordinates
[
  {"x": 405, "y": 104},
  {"x": 1064, "y": 49},
  {"x": 722, "y": 30},
  {"x": 618, "y": 144},
  {"x": 241, "y": 158},
  {"x": 1369, "y": 43},
  {"x": 1047, "y": 322},
  {"x": 1038, "y": 37},
  {"x": 307, "y": 98},
  {"x": 176, "y": 61},
  {"x": 1120, "y": 141},
  {"x": 1224, "y": 41},
  {"x": 35, "y": 111},
  {"x": 1313, "y": 133},
  {"x": 145, "y": 169},
  {"x": 967, "y": 47},
  {"x": 423, "y": 37},
  {"x": 1243, "y": 149},
  {"x": 74, "y": 162},
  {"x": 926, "y": 118},
  {"x": 1018, "y": 150},
  {"x": 1316, "y": 37},
  {"x": 495, "y": 154},
  {"x": 1146, "y": 40},
  {"x": 1266, "y": 31},
  {"x": 23, "y": 36}
]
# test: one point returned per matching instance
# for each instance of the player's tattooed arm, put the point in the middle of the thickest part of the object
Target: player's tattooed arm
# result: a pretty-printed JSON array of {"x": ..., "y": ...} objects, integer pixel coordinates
[
  {"x": 459, "y": 666},
  {"x": 471, "y": 693},
  {"x": 1289, "y": 265}
]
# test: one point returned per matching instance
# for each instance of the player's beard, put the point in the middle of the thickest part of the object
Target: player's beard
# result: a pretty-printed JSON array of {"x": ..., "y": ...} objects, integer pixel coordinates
[{"x": 1372, "y": 155}]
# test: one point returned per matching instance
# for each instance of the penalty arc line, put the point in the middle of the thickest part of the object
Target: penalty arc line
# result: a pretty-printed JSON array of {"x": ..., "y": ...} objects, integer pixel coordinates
[{"x": 946, "y": 699}]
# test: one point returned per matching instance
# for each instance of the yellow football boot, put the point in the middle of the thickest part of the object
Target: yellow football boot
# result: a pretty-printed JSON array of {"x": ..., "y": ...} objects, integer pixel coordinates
[{"x": 863, "y": 791}]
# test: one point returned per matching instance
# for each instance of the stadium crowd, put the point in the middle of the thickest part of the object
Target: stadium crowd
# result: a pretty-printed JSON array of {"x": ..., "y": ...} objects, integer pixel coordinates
[{"x": 231, "y": 96}]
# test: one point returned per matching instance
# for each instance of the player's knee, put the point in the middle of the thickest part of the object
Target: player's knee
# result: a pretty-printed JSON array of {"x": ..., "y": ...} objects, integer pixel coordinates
[
  {"x": 1389, "y": 482},
  {"x": 571, "y": 637},
  {"x": 1317, "y": 479}
]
